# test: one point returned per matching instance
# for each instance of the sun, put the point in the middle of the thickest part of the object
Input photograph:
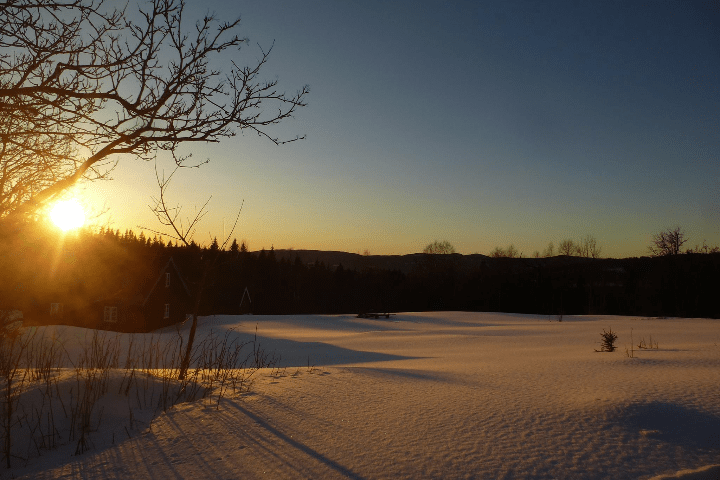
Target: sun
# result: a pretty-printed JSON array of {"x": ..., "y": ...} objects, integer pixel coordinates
[{"x": 67, "y": 214}]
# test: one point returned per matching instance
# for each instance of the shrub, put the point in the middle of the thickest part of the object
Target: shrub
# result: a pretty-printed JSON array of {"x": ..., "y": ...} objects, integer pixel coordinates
[{"x": 607, "y": 344}]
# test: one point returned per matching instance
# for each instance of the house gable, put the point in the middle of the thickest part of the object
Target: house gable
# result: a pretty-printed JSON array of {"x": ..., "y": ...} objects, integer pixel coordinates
[
  {"x": 166, "y": 274},
  {"x": 168, "y": 300}
]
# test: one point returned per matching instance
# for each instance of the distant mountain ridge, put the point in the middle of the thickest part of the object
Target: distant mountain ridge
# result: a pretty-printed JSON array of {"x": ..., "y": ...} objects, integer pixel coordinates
[
  {"x": 406, "y": 263},
  {"x": 355, "y": 261}
]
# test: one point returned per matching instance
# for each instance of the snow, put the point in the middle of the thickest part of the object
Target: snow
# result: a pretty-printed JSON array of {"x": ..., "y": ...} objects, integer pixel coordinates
[{"x": 421, "y": 395}]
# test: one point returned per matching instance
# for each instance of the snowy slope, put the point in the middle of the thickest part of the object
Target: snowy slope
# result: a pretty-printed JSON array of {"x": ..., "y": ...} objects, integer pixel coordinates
[{"x": 435, "y": 395}]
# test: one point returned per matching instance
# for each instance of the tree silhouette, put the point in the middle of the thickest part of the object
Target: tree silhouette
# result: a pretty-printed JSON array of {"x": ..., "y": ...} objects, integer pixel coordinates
[
  {"x": 183, "y": 232},
  {"x": 587, "y": 247},
  {"x": 509, "y": 252},
  {"x": 82, "y": 81},
  {"x": 567, "y": 247},
  {"x": 668, "y": 242},
  {"x": 439, "y": 248}
]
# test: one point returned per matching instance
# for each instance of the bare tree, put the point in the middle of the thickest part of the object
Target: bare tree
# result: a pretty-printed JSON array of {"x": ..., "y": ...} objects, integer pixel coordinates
[
  {"x": 549, "y": 250},
  {"x": 587, "y": 247},
  {"x": 567, "y": 247},
  {"x": 82, "y": 82},
  {"x": 183, "y": 231},
  {"x": 668, "y": 242},
  {"x": 704, "y": 248},
  {"x": 509, "y": 252},
  {"x": 439, "y": 248}
]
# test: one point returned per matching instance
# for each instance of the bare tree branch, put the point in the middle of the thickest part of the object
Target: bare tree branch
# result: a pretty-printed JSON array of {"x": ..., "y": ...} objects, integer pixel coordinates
[
  {"x": 668, "y": 242},
  {"x": 81, "y": 84},
  {"x": 170, "y": 217}
]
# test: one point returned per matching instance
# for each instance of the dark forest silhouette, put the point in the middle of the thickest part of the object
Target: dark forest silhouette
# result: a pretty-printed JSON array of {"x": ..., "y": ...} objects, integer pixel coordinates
[{"x": 89, "y": 265}]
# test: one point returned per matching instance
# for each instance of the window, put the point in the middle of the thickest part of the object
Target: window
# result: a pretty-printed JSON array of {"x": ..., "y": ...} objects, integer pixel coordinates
[
  {"x": 167, "y": 280},
  {"x": 167, "y": 310},
  {"x": 56, "y": 309},
  {"x": 110, "y": 314}
]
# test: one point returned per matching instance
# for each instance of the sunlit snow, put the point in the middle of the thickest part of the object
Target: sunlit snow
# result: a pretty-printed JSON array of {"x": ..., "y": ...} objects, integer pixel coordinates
[{"x": 426, "y": 395}]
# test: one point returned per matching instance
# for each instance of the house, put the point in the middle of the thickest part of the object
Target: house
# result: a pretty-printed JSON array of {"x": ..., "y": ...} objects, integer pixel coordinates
[
  {"x": 121, "y": 311},
  {"x": 139, "y": 298},
  {"x": 166, "y": 301}
]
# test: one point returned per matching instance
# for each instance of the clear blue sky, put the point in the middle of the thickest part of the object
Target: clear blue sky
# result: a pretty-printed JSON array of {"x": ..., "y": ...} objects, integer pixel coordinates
[{"x": 483, "y": 123}]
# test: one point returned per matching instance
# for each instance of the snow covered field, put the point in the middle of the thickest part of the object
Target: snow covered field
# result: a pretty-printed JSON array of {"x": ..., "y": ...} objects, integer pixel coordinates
[{"x": 430, "y": 395}]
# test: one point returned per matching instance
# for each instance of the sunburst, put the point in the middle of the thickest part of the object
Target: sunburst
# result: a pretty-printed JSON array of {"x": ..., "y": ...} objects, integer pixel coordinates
[{"x": 68, "y": 214}]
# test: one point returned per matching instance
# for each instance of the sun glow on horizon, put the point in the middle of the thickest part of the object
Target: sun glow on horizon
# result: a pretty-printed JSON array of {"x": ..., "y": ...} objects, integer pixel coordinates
[{"x": 68, "y": 214}]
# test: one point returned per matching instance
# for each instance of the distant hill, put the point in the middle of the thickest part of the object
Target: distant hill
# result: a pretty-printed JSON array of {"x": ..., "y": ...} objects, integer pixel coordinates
[
  {"x": 354, "y": 261},
  {"x": 406, "y": 263}
]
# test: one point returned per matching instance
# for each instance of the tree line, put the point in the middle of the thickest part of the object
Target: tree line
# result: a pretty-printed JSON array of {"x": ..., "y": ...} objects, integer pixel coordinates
[{"x": 93, "y": 264}]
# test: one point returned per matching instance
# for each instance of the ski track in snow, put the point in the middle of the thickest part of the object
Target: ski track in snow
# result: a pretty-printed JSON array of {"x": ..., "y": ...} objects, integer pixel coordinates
[{"x": 440, "y": 395}]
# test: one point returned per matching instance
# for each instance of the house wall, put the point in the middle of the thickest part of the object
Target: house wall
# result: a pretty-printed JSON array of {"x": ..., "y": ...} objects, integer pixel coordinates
[
  {"x": 73, "y": 315},
  {"x": 175, "y": 295},
  {"x": 130, "y": 318}
]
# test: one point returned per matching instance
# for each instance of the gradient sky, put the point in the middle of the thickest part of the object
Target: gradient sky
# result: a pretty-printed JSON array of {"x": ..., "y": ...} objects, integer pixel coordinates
[{"x": 482, "y": 123}]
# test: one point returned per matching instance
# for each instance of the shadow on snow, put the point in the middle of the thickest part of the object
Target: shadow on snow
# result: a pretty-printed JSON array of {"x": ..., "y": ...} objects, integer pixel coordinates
[{"x": 672, "y": 423}]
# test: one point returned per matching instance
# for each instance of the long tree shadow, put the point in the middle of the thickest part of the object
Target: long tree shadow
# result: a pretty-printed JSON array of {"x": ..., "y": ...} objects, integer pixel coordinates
[
  {"x": 342, "y": 470},
  {"x": 351, "y": 323},
  {"x": 332, "y": 323},
  {"x": 396, "y": 374},
  {"x": 292, "y": 353}
]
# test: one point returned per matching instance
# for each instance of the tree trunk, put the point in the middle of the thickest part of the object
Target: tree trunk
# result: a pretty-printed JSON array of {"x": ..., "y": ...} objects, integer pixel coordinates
[{"x": 185, "y": 364}]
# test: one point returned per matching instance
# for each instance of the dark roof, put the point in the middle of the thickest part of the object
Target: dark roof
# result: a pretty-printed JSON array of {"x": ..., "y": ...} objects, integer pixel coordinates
[{"x": 170, "y": 264}]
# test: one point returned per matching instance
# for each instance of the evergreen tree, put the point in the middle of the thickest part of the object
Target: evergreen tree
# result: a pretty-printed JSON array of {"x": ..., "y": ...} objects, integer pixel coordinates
[
  {"x": 130, "y": 236},
  {"x": 234, "y": 247},
  {"x": 157, "y": 242},
  {"x": 214, "y": 246}
]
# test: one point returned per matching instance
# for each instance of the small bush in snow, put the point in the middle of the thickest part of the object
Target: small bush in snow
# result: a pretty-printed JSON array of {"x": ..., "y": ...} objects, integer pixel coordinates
[{"x": 607, "y": 344}]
